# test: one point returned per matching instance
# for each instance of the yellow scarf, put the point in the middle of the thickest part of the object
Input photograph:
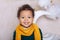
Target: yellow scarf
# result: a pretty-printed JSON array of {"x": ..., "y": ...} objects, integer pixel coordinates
[{"x": 27, "y": 32}]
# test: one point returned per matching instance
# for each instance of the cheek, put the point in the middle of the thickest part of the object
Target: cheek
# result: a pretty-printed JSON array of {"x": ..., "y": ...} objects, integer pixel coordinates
[
  {"x": 31, "y": 20},
  {"x": 21, "y": 20}
]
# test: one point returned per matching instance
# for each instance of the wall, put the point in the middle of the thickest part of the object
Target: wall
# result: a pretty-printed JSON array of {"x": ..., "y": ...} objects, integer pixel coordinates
[{"x": 8, "y": 18}]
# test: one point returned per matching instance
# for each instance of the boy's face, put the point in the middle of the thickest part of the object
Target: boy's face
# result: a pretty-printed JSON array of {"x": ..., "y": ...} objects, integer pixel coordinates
[{"x": 26, "y": 18}]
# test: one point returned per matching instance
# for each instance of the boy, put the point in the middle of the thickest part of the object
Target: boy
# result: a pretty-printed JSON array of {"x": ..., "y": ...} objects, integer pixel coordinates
[{"x": 26, "y": 30}]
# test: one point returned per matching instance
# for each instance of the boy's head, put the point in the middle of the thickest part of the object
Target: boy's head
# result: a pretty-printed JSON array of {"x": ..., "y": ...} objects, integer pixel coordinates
[{"x": 25, "y": 15}]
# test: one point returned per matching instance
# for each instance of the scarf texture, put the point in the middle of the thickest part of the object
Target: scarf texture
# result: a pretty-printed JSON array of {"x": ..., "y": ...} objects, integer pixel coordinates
[{"x": 27, "y": 32}]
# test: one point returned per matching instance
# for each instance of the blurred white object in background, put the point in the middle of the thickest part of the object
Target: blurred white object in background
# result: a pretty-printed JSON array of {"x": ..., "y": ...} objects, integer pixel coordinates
[
  {"x": 54, "y": 10},
  {"x": 43, "y": 3},
  {"x": 50, "y": 28},
  {"x": 51, "y": 6},
  {"x": 42, "y": 12}
]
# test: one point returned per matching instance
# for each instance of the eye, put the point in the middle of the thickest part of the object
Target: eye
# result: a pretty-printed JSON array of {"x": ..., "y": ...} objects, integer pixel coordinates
[
  {"x": 29, "y": 17},
  {"x": 22, "y": 17}
]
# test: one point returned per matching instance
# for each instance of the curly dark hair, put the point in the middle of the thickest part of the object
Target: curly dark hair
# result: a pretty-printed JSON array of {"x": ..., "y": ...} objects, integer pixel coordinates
[{"x": 25, "y": 7}]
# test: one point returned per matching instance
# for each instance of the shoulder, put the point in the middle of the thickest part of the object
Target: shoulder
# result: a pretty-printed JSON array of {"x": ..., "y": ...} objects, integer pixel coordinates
[
  {"x": 41, "y": 34},
  {"x": 14, "y": 34}
]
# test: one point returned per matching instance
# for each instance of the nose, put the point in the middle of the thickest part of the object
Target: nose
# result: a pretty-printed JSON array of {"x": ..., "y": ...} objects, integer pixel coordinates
[{"x": 26, "y": 19}]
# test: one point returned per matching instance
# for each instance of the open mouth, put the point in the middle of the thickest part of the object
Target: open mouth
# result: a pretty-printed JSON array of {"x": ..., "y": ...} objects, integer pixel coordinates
[{"x": 26, "y": 23}]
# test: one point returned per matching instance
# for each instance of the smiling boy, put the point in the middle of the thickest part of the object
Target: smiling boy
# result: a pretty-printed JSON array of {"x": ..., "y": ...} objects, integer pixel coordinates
[{"x": 26, "y": 30}]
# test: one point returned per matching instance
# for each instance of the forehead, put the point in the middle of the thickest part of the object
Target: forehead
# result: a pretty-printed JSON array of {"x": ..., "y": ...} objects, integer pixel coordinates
[{"x": 26, "y": 13}]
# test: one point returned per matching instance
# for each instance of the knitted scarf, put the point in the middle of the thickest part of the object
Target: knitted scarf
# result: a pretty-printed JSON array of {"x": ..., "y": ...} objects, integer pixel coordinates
[{"x": 27, "y": 32}]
